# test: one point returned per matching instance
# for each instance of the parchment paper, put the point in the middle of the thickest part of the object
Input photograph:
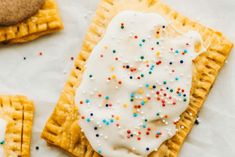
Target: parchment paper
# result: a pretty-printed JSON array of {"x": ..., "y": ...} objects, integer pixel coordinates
[{"x": 42, "y": 77}]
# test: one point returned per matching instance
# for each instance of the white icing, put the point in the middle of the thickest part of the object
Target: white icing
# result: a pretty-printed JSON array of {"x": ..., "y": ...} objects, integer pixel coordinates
[
  {"x": 106, "y": 127},
  {"x": 3, "y": 125}
]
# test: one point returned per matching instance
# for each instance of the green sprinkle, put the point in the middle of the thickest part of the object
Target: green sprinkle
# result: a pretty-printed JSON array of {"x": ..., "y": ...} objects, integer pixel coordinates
[
  {"x": 2, "y": 142},
  {"x": 164, "y": 82}
]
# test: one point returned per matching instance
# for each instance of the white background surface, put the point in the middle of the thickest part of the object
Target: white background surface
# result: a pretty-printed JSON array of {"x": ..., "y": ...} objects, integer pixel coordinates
[{"x": 42, "y": 78}]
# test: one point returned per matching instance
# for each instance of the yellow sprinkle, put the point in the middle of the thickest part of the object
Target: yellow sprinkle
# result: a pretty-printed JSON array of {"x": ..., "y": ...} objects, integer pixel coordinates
[
  {"x": 114, "y": 76},
  {"x": 158, "y": 53},
  {"x": 140, "y": 91},
  {"x": 145, "y": 99},
  {"x": 125, "y": 105},
  {"x": 106, "y": 47},
  {"x": 112, "y": 68},
  {"x": 117, "y": 118}
]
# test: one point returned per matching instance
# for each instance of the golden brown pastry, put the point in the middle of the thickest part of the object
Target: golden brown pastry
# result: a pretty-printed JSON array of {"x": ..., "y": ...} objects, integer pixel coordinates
[
  {"x": 45, "y": 21},
  {"x": 16, "y": 120},
  {"x": 62, "y": 129}
]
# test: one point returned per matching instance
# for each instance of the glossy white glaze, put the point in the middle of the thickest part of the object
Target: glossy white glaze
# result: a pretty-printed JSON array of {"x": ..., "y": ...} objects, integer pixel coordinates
[{"x": 136, "y": 83}]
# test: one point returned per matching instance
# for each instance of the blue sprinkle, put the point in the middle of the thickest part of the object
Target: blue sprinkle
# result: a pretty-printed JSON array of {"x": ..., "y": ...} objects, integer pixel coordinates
[
  {"x": 176, "y": 51},
  {"x": 142, "y": 103},
  {"x": 99, "y": 151},
  {"x": 147, "y": 85},
  {"x": 107, "y": 97},
  {"x": 104, "y": 121},
  {"x": 111, "y": 120},
  {"x": 88, "y": 120},
  {"x": 132, "y": 95},
  {"x": 135, "y": 114},
  {"x": 87, "y": 101}
]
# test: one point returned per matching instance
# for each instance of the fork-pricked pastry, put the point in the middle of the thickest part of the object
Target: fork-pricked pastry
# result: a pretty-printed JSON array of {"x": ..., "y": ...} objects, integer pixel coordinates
[
  {"x": 45, "y": 21},
  {"x": 16, "y": 118},
  {"x": 62, "y": 129}
]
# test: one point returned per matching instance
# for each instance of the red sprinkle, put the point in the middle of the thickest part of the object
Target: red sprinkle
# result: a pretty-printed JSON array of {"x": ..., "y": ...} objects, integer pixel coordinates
[{"x": 159, "y": 62}]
